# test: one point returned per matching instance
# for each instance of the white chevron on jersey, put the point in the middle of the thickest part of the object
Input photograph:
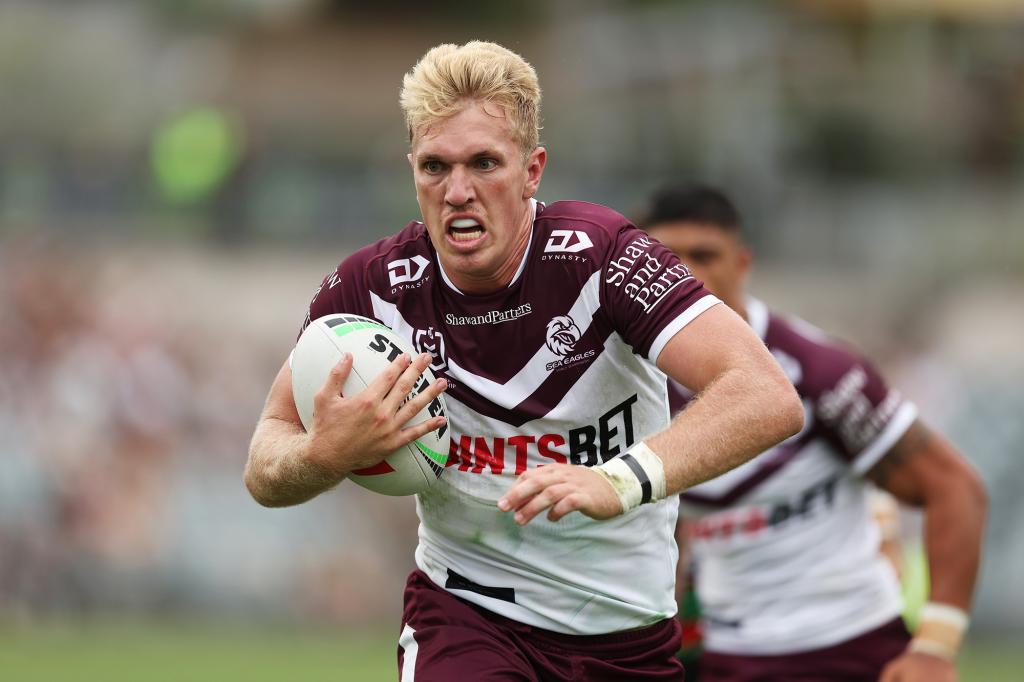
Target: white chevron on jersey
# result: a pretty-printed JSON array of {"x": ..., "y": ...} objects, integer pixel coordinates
[
  {"x": 534, "y": 372},
  {"x": 388, "y": 314}
]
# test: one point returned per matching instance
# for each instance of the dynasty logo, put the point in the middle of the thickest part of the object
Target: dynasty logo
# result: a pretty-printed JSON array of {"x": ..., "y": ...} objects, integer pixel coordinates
[
  {"x": 406, "y": 273},
  {"x": 564, "y": 244}
]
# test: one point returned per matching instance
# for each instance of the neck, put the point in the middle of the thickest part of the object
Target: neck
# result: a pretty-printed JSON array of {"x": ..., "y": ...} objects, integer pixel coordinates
[{"x": 471, "y": 283}]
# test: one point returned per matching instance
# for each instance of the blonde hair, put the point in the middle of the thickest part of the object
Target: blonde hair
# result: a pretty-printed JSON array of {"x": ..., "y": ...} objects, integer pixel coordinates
[{"x": 448, "y": 76}]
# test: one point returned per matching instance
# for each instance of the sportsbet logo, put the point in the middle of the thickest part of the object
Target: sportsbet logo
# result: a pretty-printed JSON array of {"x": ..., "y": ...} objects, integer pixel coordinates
[
  {"x": 753, "y": 520},
  {"x": 587, "y": 445}
]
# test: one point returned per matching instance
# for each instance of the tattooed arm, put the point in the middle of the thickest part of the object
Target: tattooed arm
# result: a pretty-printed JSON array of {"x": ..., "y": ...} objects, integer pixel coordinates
[{"x": 924, "y": 470}]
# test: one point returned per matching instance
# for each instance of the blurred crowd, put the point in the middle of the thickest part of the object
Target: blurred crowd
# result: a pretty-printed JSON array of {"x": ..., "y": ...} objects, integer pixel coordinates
[
  {"x": 124, "y": 429},
  {"x": 96, "y": 401}
]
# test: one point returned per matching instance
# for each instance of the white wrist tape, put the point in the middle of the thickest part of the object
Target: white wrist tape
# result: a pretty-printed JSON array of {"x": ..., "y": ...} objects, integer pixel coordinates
[
  {"x": 940, "y": 630},
  {"x": 637, "y": 476}
]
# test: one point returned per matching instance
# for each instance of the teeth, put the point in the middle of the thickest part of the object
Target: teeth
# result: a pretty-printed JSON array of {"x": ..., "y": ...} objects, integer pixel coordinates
[
  {"x": 466, "y": 236},
  {"x": 462, "y": 223}
]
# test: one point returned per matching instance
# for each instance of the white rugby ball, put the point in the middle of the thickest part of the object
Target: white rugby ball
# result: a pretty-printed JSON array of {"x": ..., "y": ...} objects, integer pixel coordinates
[{"x": 413, "y": 467}]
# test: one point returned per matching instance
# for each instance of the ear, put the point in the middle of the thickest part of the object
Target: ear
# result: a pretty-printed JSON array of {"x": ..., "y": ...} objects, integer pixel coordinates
[
  {"x": 746, "y": 260},
  {"x": 409, "y": 156},
  {"x": 535, "y": 163}
]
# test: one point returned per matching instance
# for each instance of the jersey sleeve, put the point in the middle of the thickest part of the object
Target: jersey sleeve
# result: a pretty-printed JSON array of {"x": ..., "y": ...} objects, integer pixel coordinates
[
  {"x": 859, "y": 412},
  {"x": 345, "y": 290},
  {"x": 648, "y": 293}
]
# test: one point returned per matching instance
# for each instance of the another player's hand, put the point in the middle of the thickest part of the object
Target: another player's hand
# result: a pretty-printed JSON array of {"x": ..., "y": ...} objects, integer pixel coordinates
[
  {"x": 560, "y": 488},
  {"x": 358, "y": 432},
  {"x": 918, "y": 667}
]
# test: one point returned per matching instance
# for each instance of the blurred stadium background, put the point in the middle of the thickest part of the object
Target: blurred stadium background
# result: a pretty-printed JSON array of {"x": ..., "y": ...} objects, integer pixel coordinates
[{"x": 177, "y": 176}]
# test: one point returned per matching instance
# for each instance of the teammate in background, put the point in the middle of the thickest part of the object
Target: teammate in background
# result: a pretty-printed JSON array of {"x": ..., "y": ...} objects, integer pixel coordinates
[
  {"x": 789, "y": 576},
  {"x": 548, "y": 324}
]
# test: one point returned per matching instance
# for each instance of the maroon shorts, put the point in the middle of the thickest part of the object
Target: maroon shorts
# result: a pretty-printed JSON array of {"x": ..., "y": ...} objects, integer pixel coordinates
[
  {"x": 445, "y": 639},
  {"x": 856, "y": 660}
]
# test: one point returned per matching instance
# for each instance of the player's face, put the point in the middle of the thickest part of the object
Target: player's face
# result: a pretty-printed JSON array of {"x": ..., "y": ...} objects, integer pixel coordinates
[
  {"x": 713, "y": 255},
  {"x": 474, "y": 188}
]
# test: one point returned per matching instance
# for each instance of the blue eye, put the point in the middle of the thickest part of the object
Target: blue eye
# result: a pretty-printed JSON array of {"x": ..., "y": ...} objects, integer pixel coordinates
[
  {"x": 432, "y": 166},
  {"x": 487, "y": 164}
]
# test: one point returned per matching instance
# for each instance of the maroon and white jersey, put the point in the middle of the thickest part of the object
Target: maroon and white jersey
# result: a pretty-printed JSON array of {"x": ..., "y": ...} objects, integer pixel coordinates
[
  {"x": 557, "y": 367},
  {"x": 787, "y": 552}
]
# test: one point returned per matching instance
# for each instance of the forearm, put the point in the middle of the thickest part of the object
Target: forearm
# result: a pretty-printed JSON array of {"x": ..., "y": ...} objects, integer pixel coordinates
[
  {"x": 280, "y": 472},
  {"x": 953, "y": 529},
  {"x": 738, "y": 415}
]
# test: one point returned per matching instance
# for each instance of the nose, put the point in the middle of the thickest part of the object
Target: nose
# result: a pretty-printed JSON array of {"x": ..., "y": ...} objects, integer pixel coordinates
[{"x": 459, "y": 191}]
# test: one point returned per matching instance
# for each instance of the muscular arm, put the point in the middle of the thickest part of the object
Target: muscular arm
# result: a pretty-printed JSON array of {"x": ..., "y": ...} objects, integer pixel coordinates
[
  {"x": 923, "y": 469},
  {"x": 279, "y": 472},
  {"x": 744, "y": 405},
  {"x": 289, "y": 466}
]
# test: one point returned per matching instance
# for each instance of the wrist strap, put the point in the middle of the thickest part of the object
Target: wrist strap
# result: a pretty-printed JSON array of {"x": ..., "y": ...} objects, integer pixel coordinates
[
  {"x": 940, "y": 630},
  {"x": 637, "y": 476}
]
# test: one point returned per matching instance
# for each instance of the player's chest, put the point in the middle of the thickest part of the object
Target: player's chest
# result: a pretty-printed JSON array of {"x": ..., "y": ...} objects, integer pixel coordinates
[{"x": 533, "y": 330}]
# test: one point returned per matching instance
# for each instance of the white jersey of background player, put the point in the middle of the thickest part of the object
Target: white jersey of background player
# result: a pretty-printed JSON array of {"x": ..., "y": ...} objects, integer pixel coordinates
[{"x": 787, "y": 555}]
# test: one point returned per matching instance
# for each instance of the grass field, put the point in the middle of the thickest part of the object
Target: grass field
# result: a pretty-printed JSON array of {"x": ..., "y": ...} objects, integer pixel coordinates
[{"x": 148, "y": 653}]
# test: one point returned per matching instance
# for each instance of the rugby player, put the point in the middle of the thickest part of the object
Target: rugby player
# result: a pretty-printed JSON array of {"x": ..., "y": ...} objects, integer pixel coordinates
[
  {"x": 788, "y": 571},
  {"x": 547, "y": 325}
]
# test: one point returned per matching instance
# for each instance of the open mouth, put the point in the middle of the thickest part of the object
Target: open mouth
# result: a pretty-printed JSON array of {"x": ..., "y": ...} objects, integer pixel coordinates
[{"x": 465, "y": 230}]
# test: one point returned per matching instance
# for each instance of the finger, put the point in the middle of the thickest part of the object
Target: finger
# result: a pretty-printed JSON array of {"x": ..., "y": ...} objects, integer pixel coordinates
[
  {"x": 417, "y": 431},
  {"x": 338, "y": 375},
  {"x": 383, "y": 382},
  {"x": 526, "y": 486},
  {"x": 570, "y": 503},
  {"x": 421, "y": 400},
  {"x": 406, "y": 382},
  {"x": 544, "y": 499}
]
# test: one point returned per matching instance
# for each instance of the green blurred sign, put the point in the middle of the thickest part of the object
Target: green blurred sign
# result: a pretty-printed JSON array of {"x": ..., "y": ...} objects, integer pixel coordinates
[{"x": 194, "y": 154}]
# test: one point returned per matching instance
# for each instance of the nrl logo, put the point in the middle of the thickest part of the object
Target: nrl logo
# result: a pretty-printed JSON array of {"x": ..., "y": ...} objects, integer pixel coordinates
[
  {"x": 430, "y": 341},
  {"x": 562, "y": 335}
]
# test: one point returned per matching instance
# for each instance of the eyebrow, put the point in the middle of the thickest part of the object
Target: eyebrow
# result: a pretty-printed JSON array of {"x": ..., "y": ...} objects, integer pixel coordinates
[{"x": 483, "y": 153}]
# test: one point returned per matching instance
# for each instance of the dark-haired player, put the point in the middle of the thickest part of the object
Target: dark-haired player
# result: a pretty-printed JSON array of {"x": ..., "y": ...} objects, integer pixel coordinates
[{"x": 789, "y": 576}]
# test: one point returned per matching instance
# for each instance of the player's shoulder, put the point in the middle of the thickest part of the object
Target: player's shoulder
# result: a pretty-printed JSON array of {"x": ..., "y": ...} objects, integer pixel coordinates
[
  {"x": 814, "y": 361},
  {"x": 410, "y": 240},
  {"x": 403, "y": 258},
  {"x": 599, "y": 223}
]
